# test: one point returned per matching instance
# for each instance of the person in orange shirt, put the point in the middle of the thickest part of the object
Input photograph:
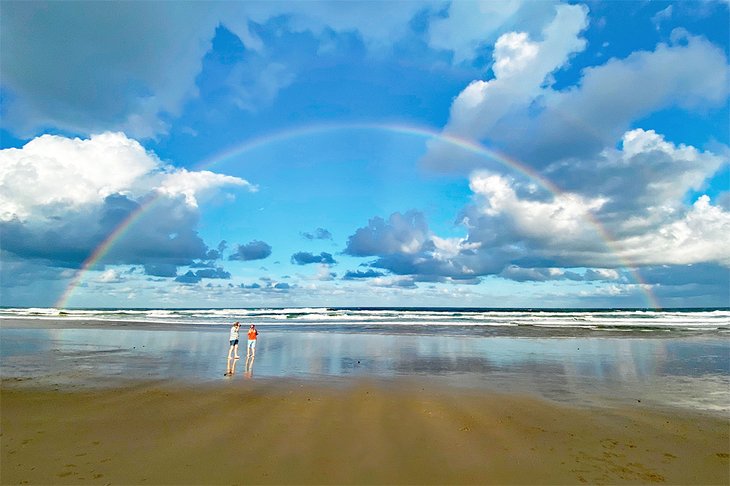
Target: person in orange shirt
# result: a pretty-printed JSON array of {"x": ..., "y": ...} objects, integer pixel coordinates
[{"x": 251, "y": 348}]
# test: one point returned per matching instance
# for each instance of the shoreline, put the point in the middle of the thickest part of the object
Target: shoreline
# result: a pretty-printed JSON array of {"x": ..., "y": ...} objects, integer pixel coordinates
[
  {"x": 368, "y": 431},
  {"x": 690, "y": 372}
]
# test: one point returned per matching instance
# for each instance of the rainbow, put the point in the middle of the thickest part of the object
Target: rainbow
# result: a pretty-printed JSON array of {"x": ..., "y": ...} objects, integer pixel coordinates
[{"x": 268, "y": 139}]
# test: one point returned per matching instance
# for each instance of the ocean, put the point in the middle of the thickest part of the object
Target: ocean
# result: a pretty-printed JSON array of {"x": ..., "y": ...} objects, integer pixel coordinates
[{"x": 467, "y": 321}]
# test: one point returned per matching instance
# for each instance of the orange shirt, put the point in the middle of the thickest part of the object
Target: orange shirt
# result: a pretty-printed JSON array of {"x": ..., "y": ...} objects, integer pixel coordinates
[{"x": 252, "y": 334}]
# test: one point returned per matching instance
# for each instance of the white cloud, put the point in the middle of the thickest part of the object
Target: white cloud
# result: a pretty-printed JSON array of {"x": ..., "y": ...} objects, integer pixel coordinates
[
  {"x": 62, "y": 198},
  {"x": 561, "y": 219},
  {"x": 519, "y": 113},
  {"x": 521, "y": 66},
  {"x": 110, "y": 276},
  {"x": 190, "y": 184},
  {"x": 670, "y": 170},
  {"x": 468, "y": 25},
  {"x": 692, "y": 73},
  {"x": 568, "y": 227},
  {"x": 445, "y": 248},
  {"x": 52, "y": 172},
  {"x": 697, "y": 237}
]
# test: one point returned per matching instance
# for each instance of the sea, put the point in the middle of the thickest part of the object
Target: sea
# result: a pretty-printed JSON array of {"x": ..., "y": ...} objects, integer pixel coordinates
[
  {"x": 437, "y": 320},
  {"x": 669, "y": 357}
]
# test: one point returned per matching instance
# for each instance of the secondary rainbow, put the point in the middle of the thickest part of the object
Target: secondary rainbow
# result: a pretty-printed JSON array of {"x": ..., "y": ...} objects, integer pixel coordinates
[{"x": 310, "y": 130}]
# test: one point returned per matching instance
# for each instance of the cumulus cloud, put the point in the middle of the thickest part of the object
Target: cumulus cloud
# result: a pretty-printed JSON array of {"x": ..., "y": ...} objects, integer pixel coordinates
[
  {"x": 51, "y": 171},
  {"x": 402, "y": 233},
  {"x": 359, "y": 274},
  {"x": 254, "y": 250},
  {"x": 160, "y": 269},
  {"x": 645, "y": 180},
  {"x": 519, "y": 112},
  {"x": 62, "y": 198},
  {"x": 110, "y": 276},
  {"x": 189, "y": 184},
  {"x": 324, "y": 274},
  {"x": 191, "y": 277},
  {"x": 625, "y": 210},
  {"x": 318, "y": 234},
  {"x": 305, "y": 258},
  {"x": 567, "y": 228},
  {"x": 405, "y": 245},
  {"x": 520, "y": 68}
]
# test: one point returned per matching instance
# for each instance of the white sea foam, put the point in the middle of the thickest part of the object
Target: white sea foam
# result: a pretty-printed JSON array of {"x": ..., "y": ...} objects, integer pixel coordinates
[{"x": 638, "y": 319}]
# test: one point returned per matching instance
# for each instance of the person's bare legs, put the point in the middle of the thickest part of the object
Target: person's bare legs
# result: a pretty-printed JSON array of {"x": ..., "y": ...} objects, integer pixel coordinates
[{"x": 233, "y": 350}]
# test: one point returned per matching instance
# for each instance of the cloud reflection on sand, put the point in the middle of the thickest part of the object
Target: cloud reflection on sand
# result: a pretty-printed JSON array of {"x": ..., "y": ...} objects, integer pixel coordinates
[{"x": 565, "y": 369}]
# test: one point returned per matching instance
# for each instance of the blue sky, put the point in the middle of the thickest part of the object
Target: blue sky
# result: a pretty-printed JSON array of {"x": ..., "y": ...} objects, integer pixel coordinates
[{"x": 424, "y": 153}]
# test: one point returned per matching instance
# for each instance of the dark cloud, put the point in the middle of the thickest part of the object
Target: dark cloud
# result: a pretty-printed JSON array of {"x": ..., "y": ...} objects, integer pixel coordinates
[
  {"x": 358, "y": 274},
  {"x": 305, "y": 258},
  {"x": 191, "y": 277},
  {"x": 250, "y": 286},
  {"x": 160, "y": 270},
  {"x": 318, "y": 234},
  {"x": 217, "y": 272},
  {"x": 255, "y": 250},
  {"x": 69, "y": 236},
  {"x": 188, "y": 278}
]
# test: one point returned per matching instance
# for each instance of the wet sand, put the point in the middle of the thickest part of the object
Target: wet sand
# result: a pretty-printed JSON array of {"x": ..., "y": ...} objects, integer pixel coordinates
[
  {"x": 380, "y": 432},
  {"x": 126, "y": 403}
]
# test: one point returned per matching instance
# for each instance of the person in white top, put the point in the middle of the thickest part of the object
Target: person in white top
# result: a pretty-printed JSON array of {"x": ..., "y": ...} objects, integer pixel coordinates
[{"x": 234, "y": 341}]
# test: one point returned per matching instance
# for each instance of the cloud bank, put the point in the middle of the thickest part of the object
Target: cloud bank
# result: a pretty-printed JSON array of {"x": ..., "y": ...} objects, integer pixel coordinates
[{"x": 62, "y": 198}]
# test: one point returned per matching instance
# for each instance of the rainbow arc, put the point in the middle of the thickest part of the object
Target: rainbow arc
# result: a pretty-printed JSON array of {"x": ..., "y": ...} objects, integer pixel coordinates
[{"x": 269, "y": 139}]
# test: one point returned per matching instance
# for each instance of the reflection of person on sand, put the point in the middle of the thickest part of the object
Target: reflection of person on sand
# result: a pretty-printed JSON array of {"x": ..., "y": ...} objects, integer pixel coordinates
[
  {"x": 230, "y": 366},
  {"x": 234, "y": 341},
  {"x": 248, "y": 371},
  {"x": 251, "y": 348}
]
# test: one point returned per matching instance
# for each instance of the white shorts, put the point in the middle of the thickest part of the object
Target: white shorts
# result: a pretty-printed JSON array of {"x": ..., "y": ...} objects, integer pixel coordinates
[{"x": 251, "y": 344}]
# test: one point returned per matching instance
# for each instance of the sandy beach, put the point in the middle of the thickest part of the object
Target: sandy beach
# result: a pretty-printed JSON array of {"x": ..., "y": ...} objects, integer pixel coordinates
[
  {"x": 290, "y": 432},
  {"x": 126, "y": 403}
]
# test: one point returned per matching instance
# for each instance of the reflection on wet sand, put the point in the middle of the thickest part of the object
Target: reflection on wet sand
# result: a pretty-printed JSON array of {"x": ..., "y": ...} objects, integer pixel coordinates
[
  {"x": 231, "y": 366},
  {"x": 677, "y": 370},
  {"x": 248, "y": 370}
]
